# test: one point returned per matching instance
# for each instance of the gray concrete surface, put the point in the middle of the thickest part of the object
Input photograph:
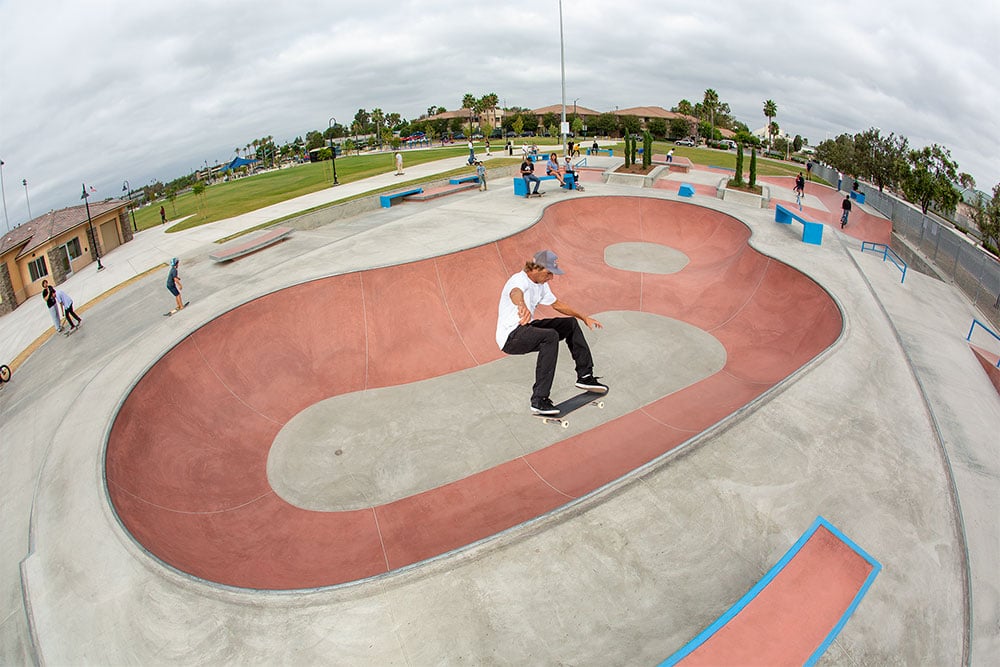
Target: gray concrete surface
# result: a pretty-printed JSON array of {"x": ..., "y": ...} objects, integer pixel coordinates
[{"x": 890, "y": 434}]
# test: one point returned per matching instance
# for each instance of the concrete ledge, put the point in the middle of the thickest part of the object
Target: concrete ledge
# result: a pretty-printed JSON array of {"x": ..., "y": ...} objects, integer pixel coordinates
[
  {"x": 249, "y": 244},
  {"x": 612, "y": 177}
]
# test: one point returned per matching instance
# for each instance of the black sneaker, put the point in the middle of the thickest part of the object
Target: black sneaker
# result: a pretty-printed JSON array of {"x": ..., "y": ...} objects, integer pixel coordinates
[
  {"x": 590, "y": 383},
  {"x": 543, "y": 406}
]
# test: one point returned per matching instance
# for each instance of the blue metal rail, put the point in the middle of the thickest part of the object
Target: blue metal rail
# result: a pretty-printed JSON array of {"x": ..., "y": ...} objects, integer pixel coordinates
[
  {"x": 887, "y": 254},
  {"x": 986, "y": 329}
]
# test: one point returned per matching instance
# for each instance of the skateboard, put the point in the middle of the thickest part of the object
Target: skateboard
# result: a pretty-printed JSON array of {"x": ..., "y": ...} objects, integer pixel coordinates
[
  {"x": 70, "y": 332},
  {"x": 570, "y": 404},
  {"x": 534, "y": 194},
  {"x": 186, "y": 303}
]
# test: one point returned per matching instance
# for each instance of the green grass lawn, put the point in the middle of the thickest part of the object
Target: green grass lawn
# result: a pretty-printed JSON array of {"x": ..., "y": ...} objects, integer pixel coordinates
[{"x": 225, "y": 200}]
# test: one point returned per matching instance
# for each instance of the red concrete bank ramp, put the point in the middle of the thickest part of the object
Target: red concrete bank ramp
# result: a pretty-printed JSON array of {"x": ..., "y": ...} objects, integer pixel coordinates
[{"x": 187, "y": 453}]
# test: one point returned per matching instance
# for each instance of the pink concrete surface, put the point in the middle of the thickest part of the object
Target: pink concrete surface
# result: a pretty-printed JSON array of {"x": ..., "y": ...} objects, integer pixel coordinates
[
  {"x": 860, "y": 225},
  {"x": 988, "y": 361},
  {"x": 186, "y": 456},
  {"x": 792, "y": 616}
]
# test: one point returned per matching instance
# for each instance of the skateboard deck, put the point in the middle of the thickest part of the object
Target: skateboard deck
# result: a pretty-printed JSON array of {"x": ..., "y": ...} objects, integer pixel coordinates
[
  {"x": 574, "y": 403},
  {"x": 534, "y": 194},
  {"x": 175, "y": 310}
]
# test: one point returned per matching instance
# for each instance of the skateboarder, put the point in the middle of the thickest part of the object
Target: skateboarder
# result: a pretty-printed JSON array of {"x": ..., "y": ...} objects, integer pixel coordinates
[
  {"x": 846, "y": 206},
  {"x": 174, "y": 284},
  {"x": 519, "y": 333}
]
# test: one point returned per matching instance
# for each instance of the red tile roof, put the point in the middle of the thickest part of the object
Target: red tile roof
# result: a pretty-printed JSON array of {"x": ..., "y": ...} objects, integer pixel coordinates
[{"x": 38, "y": 231}]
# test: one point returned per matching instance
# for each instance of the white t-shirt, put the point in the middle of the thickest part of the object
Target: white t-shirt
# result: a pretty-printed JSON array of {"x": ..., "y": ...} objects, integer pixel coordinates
[{"x": 534, "y": 294}]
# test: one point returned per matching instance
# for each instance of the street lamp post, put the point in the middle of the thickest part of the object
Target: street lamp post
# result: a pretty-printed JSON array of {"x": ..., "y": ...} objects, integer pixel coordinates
[
  {"x": 128, "y": 188},
  {"x": 333, "y": 151},
  {"x": 90, "y": 223},
  {"x": 27, "y": 201},
  {"x": 6, "y": 222},
  {"x": 562, "y": 68}
]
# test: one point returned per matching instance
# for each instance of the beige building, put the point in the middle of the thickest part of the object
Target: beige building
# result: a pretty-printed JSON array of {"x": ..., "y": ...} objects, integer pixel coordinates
[{"x": 53, "y": 246}]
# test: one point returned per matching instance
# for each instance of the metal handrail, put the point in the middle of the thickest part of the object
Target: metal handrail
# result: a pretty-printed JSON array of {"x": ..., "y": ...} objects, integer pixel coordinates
[
  {"x": 887, "y": 254},
  {"x": 986, "y": 329}
]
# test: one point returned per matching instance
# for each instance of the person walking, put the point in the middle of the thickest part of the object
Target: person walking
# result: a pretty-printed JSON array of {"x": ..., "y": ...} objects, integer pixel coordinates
[
  {"x": 163, "y": 216},
  {"x": 399, "y": 163},
  {"x": 67, "y": 307},
  {"x": 518, "y": 332},
  {"x": 846, "y": 206},
  {"x": 49, "y": 295},
  {"x": 174, "y": 284}
]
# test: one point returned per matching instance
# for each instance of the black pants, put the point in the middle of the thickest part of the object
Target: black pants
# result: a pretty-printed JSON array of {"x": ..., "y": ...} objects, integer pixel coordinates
[
  {"x": 71, "y": 315},
  {"x": 543, "y": 336}
]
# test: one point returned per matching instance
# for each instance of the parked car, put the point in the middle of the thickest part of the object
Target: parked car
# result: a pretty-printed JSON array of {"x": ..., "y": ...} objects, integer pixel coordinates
[
  {"x": 684, "y": 142},
  {"x": 729, "y": 144},
  {"x": 460, "y": 135}
]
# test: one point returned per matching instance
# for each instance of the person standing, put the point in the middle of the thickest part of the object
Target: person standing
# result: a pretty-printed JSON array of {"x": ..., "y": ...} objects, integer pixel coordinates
[
  {"x": 67, "y": 307},
  {"x": 488, "y": 147},
  {"x": 846, "y": 206},
  {"x": 670, "y": 155},
  {"x": 399, "y": 163},
  {"x": 518, "y": 332},
  {"x": 163, "y": 216},
  {"x": 472, "y": 153},
  {"x": 174, "y": 284},
  {"x": 481, "y": 175},
  {"x": 840, "y": 180},
  {"x": 528, "y": 174},
  {"x": 49, "y": 294}
]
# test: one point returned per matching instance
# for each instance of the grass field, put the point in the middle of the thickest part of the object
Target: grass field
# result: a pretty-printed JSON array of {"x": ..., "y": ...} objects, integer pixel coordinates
[{"x": 225, "y": 200}]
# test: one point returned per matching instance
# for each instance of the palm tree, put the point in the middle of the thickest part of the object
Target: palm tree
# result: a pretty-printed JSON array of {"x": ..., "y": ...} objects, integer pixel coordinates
[
  {"x": 710, "y": 104},
  {"x": 770, "y": 111},
  {"x": 470, "y": 102}
]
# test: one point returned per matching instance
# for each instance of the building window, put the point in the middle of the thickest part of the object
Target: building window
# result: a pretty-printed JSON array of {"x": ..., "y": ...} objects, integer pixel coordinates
[
  {"x": 38, "y": 269},
  {"x": 73, "y": 248}
]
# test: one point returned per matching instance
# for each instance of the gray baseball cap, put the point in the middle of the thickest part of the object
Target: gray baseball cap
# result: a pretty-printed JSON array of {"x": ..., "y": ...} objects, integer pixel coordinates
[{"x": 547, "y": 258}]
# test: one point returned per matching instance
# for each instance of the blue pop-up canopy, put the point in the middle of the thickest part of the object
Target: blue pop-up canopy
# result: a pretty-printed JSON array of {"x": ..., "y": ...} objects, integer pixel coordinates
[{"x": 237, "y": 163}]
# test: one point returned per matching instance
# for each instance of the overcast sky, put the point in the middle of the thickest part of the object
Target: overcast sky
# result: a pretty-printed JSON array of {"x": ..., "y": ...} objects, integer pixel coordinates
[{"x": 103, "y": 91}]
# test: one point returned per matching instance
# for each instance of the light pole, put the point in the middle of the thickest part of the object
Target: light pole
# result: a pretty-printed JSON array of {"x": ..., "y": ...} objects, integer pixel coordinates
[
  {"x": 127, "y": 188},
  {"x": 6, "y": 222},
  {"x": 24, "y": 182},
  {"x": 333, "y": 150},
  {"x": 562, "y": 68},
  {"x": 93, "y": 234}
]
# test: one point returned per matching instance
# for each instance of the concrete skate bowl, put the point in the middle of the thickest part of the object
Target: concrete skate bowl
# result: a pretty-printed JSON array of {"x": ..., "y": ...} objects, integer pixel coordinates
[{"x": 187, "y": 458}]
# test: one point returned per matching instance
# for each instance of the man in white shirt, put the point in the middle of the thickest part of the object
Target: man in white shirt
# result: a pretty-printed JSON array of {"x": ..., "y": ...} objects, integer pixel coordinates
[{"x": 519, "y": 333}]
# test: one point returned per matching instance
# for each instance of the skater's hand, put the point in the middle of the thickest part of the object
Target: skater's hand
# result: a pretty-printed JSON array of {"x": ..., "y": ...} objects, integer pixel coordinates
[{"x": 592, "y": 323}]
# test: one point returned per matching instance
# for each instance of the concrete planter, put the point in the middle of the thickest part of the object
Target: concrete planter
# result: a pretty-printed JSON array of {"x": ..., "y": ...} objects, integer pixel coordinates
[
  {"x": 744, "y": 198},
  {"x": 612, "y": 177}
]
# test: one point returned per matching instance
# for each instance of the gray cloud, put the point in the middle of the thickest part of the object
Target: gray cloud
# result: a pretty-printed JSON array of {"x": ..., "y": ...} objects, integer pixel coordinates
[{"x": 146, "y": 91}]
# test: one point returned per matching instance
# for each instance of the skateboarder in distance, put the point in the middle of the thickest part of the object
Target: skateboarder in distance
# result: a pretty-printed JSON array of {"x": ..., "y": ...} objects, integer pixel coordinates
[{"x": 519, "y": 333}]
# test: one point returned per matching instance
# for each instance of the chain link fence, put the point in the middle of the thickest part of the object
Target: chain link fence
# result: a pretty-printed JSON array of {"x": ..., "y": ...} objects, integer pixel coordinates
[{"x": 952, "y": 253}]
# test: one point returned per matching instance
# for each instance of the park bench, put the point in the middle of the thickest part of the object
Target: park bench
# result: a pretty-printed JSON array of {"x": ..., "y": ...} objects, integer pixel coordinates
[
  {"x": 609, "y": 151},
  {"x": 463, "y": 179},
  {"x": 793, "y": 614},
  {"x": 249, "y": 244},
  {"x": 386, "y": 200},
  {"x": 521, "y": 187},
  {"x": 812, "y": 232}
]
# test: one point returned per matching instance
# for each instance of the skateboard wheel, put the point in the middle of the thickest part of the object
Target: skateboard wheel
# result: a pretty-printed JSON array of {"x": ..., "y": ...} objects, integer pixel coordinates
[
  {"x": 600, "y": 404},
  {"x": 565, "y": 424}
]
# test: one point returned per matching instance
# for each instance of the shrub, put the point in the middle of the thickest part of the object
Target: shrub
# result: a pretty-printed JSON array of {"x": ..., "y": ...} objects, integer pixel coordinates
[
  {"x": 753, "y": 167},
  {"x": 647, "y": 149},
  {"x": 739, "y": 165}
]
